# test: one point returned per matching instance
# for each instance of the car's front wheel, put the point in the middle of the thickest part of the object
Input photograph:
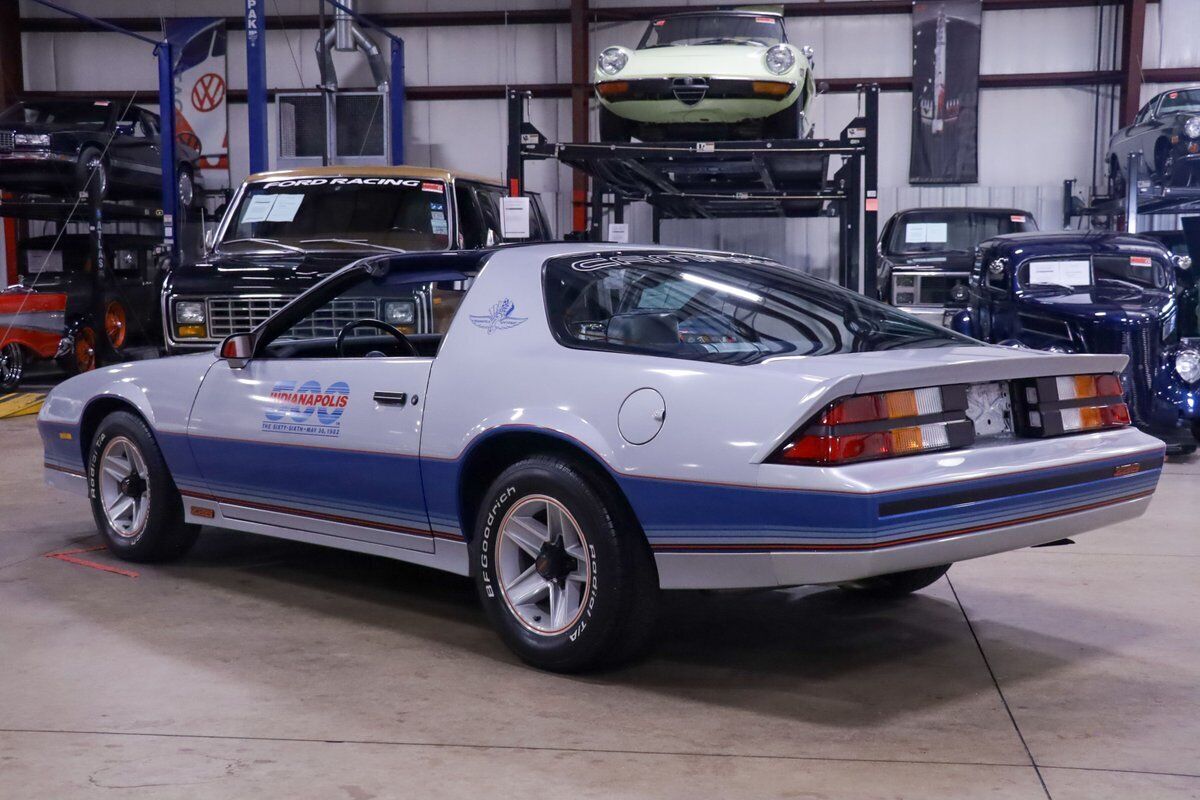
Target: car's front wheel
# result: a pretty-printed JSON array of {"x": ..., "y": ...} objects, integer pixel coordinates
[
  {"x": 12, "y": 366},
  {"x": 896, "y": 584},
  {"x": 564, "y": 575},
  {"x": 135, "y": 503},
  {"x": 91, "y": 173}
]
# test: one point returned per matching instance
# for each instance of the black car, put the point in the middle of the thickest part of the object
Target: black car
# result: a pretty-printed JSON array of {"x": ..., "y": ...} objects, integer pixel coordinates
[
  {"x": 925, "y": 253},
  {"x": 1165, "y": 136},
  {"x": 54, "y": 146}
]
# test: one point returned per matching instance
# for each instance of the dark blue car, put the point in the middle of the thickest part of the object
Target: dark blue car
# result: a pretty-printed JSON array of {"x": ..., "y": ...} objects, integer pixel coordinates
[{"x": 1090, "y": 292}]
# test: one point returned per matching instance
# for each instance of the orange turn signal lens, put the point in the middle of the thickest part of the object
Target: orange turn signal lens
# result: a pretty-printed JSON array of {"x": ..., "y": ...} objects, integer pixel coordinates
[
  {"x": 771, "y": 88},
  {"x": 190, "y": 331},
  {"x": 612, "y": 88}
]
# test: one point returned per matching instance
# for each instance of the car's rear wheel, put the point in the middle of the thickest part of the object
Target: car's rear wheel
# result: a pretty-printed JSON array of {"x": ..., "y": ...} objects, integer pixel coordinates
[
  {"x": 116, "y": 323},
  {"x": 135, "y": 503},
  {"x": 1116, "y": 180},
  {"x": 897, "y": 584},
  {"x": 612, "y": 127},
  {"x": 91, "y": 174},
  {"x": 12, "y": 366},
  {"x": 186, "y": 187},
  {"x": 564, "y": 575},
  {"x": 82, "y": 356}
]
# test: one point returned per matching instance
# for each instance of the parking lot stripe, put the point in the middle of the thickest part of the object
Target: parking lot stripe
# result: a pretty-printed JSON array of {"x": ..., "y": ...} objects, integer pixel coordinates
[{"x": 71, "y": 557}]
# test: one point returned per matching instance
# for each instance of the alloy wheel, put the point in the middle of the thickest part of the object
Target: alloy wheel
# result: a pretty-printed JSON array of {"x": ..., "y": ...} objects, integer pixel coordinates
[
  {"x": 542, "y": 565},
  {"x": 12, "y": 365},
  {"x": 124, "y": 487}
]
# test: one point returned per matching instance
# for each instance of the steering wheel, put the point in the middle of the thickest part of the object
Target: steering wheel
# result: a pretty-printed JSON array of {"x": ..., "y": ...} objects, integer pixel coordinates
[{"x": 405, "y": 345}]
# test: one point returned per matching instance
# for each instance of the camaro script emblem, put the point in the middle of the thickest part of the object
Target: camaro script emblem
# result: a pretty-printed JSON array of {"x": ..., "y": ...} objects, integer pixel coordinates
[{"x": 499, "y": 317}]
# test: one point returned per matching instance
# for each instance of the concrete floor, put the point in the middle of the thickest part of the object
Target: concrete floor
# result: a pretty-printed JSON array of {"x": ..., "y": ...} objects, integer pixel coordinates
[{"x": 257, "y": 668}]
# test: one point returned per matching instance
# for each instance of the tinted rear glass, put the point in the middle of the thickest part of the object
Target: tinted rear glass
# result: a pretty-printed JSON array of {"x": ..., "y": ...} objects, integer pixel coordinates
[
  {"x": 939, "y": 231},
  {"x": 722, "y": 308}
]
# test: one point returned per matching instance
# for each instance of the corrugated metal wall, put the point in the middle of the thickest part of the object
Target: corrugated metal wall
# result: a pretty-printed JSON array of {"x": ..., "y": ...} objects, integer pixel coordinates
[{"x": 1030, "y": 139}]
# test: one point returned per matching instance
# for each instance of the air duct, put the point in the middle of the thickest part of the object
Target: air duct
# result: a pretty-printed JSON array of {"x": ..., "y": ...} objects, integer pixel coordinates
[{"x": 345, "y": 36}]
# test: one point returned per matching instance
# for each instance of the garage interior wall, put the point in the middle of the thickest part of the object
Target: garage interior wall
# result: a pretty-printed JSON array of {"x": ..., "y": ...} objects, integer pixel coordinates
[{"x": 1030, "y": 139}]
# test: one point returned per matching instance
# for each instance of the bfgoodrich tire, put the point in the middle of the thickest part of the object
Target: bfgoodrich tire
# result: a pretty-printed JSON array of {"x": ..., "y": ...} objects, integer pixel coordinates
[
  {"x": 897, "y": 584},
  {"x": 136, "y": 506},
  {"x": 565, "y": 578}
]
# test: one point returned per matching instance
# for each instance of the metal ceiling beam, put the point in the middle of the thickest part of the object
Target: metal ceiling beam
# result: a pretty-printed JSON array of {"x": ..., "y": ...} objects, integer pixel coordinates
[{"x": 562, "y": 16}]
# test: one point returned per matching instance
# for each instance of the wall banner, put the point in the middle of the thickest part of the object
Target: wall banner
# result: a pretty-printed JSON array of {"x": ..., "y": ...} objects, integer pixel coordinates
[
  {"x": 201, "y": 87},
  {"x": 945, "y": 127}
]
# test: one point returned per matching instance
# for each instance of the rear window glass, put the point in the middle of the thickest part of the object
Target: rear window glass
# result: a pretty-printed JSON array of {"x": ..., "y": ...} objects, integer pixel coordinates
[{"x": 713, "y": 307}]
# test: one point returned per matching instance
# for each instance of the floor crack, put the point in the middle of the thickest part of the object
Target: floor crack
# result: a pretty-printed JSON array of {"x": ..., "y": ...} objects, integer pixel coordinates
[{"x": 995, "y": 682}]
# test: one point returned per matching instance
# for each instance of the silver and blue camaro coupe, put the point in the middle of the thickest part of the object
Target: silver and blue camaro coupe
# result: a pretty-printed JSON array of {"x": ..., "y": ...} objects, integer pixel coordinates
[{"x": 599, "y": 423}]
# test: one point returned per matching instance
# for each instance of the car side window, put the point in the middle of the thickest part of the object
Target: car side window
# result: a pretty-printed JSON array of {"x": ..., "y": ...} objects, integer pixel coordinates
[
  {"x": 489, "y": 205},
  {"x": 366, "y": 309},
  {"x": 470, "y": 222},
  {"x": 1143, "y": 115},
  {"x": 149, "y": 125}
]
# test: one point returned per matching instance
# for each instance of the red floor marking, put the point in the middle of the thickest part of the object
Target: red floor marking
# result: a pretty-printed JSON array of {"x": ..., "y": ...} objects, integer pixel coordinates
[{"x": 70, "y": 557}]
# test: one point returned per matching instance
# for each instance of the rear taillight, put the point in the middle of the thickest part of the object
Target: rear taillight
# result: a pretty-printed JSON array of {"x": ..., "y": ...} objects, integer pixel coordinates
[
  {"x": 1069, "y": 404},
  {"x": 871, "y": 426}
]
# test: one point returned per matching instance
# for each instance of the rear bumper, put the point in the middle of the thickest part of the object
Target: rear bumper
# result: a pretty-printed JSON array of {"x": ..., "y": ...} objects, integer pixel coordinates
[{"x": 772, "y": 568}]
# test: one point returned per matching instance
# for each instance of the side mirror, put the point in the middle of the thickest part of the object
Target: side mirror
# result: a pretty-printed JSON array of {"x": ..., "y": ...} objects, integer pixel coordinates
[
  {"x": 125, "y": 129},
  {"x": 237, "y": 348}
]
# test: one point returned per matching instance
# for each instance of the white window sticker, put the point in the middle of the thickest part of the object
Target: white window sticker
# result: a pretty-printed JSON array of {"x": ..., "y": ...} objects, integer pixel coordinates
[
  {"x": 44, "y": 260},
  {"x": 514, "y": 217},
  {"x": 618, "y": 232},
  {"x": 285, "y": 207},
  {"x": 921, "y": 232},
  {"x": 1061, "y": 273},
  {"x": 258, "y": 208}
]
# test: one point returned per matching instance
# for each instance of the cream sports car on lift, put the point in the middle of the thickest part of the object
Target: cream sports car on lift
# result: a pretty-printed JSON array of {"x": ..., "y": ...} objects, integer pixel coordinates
[{"x": 706, "y": 75}]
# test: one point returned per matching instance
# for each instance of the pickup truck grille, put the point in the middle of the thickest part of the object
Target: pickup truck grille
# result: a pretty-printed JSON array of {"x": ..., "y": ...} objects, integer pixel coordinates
[
  {"x": 229, "y": 315},
  {"x": 7, "y": 140}
]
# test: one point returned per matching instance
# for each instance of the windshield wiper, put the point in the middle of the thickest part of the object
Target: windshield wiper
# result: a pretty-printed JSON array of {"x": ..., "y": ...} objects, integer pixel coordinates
[
  {"x": 270, "y": 242},
  {"x": 356, "y": 242},
  {"x": 1070, "y": 289}
]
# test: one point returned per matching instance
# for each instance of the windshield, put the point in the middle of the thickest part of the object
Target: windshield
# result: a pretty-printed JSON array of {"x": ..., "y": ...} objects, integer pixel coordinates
[
  {"x": 1082, "y": 272},
  {"x": 341, "y": 214},
  {"x": 709, "y": 307},
  {"x": 83, "y": 115},
  {"x": 713, "y": 29},
  {"x": 1184, "y": 101},
  {"x": 952, "y": 231}
]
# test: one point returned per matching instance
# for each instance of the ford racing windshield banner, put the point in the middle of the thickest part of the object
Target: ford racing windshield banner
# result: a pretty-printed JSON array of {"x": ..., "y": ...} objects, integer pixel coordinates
[
  {"x": 201, "y": 117},
  {"x": 945, "y": 140}
]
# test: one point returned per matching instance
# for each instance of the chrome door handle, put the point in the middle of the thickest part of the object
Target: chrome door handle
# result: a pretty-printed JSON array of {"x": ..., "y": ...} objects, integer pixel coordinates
[{"x": 391, "y": 398}]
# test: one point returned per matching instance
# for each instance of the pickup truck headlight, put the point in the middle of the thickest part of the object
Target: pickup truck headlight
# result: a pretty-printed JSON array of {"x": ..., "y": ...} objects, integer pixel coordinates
[
  {"x": 1187, "y": 364},
  {"x": 189, "y": 312},
  {"x": 612, "y": 60},
  {"x": 779, "y": 59},
  {"x": 400, "y": 312},
  {"x": 1191, "y": 128},
  {"x": 32, "y": 140}
]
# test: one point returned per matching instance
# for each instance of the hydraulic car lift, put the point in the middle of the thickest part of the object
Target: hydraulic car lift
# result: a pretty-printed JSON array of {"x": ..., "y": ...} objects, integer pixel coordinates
[
  {"x": 1142, "y": 196},
  {"x": 96, "y": 214},
  {"x": 708, "y": 180}
]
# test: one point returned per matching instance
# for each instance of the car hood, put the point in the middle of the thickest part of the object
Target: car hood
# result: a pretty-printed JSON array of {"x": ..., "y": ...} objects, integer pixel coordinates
[
  {"x": 1112, "y": 305},
  {"x": 288, "y": 273},
  {"x": 708, "y": 61}
]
